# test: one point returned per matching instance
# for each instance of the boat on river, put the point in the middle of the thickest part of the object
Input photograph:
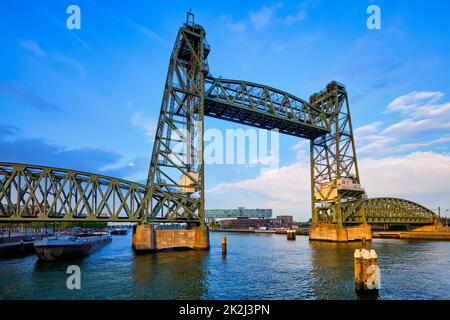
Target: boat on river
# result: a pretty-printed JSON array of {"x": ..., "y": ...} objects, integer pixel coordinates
[
  {"x": 119, "y": 231},
  {"x": 73, "y": 246}
]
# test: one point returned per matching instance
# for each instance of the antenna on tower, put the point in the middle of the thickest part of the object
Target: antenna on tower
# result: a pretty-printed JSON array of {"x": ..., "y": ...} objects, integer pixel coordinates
[{"x": 190, "y": 16}]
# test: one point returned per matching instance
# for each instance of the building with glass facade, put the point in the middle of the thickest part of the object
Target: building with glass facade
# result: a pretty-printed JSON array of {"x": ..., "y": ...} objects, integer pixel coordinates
[{"x": 239, "y": 212}]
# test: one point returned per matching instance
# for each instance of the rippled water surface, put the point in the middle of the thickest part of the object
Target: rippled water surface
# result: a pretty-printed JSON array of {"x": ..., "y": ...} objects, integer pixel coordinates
[{"x": 257, "y": 266}]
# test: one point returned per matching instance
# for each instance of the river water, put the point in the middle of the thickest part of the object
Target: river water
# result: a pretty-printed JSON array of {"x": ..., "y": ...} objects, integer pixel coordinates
[{"x": 257, "y": 266}]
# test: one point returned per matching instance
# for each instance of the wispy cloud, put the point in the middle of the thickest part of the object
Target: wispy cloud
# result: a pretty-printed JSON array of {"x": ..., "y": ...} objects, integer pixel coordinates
[
  {"x": 418, "y": 176},
  {"x": 377, "y": 55},
  {"x": 367, "y": 130},
  {"x": 299, "y": 16},
  {"x": 16, "y": 148},
  {"x": 43, "y": 152},
  {"x": 135, "y": 170},
  {"x": 302, "y": 12},
  {"x": 132, "y": 24},
  {"x": 8, "y": 131},
  {"x": 32, "y": 46},
  {"x": 264, "y": 16},
  {"x": 227, "y": 20},
  {"x": 146, "y": 123},
  {"x": 415, "y": 102},
  {"x": 61, "y": 24},
  {"x": 272, "y": 14},
  {"x": 147, "y": 32},
  {"x": 287, "y": 192},
  {"x": 394, "y": 160},
  {"x": 72, "y": 63},
  {"x": 415, "y": 175},
  {"x": 423, "y": 119},
  {"x": 28, "y": 97}
]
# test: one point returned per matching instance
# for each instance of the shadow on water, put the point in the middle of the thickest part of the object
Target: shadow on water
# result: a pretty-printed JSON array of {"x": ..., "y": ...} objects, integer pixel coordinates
[
  {"x": 57, "y": 265},
  {"x": 255, "y": 267},
  {"x": 332, "y": 267},
  {"x": 170, "y": 274}
]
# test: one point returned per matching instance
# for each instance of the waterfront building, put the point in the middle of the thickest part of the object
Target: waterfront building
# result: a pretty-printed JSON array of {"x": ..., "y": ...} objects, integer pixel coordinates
[
  {"x": 286, "y": 219},
  {"x": 246, "y": 223},
  {"x": 239, "y": 212}
]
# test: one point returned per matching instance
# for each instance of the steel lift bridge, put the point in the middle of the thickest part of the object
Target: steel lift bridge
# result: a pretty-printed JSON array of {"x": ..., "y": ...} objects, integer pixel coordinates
[{"x": 175, "y": 190}]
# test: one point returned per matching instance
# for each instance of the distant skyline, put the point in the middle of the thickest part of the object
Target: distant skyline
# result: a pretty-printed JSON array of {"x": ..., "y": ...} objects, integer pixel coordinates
[{"x": 89, "y": 99}]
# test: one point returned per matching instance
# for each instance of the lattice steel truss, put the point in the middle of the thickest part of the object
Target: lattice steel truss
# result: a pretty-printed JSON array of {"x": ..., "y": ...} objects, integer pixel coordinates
[
  {"x": 37, "y": 193},
  {"x": 333, "y": 158},
  {"x": 395, "y": 211},
  {"x": 175, "y": 184},
  {"x": 263, "y": 107},
  {"x": 176, "y": 174}
]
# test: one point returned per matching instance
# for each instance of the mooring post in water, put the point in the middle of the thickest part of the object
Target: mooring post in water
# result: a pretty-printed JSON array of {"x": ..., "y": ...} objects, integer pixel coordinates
[
  {"x": 367, "y": 273},
  {"x": 358, "y": 270},
  {"x": 365, "y": 265},
  {"x": 290, "y": 234},
  {"x": 224, "y": 245}
]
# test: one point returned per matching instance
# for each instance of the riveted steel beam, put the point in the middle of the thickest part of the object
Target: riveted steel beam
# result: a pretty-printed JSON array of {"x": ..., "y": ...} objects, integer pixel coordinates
[{"x": 39, "y": 193}]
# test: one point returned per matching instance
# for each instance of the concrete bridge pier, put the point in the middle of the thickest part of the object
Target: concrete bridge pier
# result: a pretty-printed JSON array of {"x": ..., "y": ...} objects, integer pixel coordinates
[
  {"x": 333, "y": 233},
  {"x": 147, "y": 238}
]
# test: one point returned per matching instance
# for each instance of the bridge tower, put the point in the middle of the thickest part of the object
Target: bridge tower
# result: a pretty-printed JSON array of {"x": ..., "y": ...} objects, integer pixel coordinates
[
  {"x": 176, "y": 174},
  {"x": 336, "y": 192},
  {"x": 175, "y": 186}
]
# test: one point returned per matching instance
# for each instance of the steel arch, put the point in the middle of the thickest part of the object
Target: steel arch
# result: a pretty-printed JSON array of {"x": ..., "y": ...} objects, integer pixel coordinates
[{"x": 388, "y": 210}]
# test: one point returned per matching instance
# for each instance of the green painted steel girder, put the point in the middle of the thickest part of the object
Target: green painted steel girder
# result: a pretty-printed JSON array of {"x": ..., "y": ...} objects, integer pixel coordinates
[
  {"x": 262, "y": 107},
  {"x": 393, "y": 211},
  {"x": 176, "y": 174},
  {"x": 39, "y": 193},
  {"x": 175, "y": 186}
]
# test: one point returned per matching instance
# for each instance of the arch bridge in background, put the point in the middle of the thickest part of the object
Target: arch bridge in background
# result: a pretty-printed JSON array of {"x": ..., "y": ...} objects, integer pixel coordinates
[
  {"x": 386, "y": 210},
  {"x": 175, "y": 189}
]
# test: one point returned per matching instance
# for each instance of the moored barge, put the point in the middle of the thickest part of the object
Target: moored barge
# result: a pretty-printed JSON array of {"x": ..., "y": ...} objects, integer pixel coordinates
[
  {"x": 119, "y": 231},
  {"x": 63, "y": 247}
]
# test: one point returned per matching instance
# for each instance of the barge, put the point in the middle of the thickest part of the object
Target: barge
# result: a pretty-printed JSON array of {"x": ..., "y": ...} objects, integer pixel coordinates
[
  {"x": 17, "y": 247},
  {"x": 119, "y": 231},
  {"x": 63, "y": 247}
]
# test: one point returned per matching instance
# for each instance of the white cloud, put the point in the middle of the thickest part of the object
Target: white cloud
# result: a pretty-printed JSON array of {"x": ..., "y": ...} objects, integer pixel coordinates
[
  {"x": 416, "y": 175},
  {"x": 267, "y": 14},
  {"x": 419, "y": 176},
  {"x": 72, "y": 63},
  {"x": 270, "y": 14},
  {"x": 141, "y": 121},
  {"x": 410, "y": 103},
  {"x": 391, "y": 164},
  {"x": 423, "y": 120},
  {"x": 264, "y": 16},
  {"x": 227, "y": 20},
  {"x": 147, "y": 32},
  {"x": 32, "y": 46},
  {"x": 291, "y": 19},
  {"x": 144, "y": 30},
  {"x": 367, "y": 130},
  {"x": 285, "y": 190},
  {"x": 379, "y": 144},
  {"x": 301, "y": 148}
]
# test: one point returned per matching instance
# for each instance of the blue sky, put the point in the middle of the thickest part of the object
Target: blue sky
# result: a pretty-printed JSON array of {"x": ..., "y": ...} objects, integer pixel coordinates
[{"x": 89, "y": 99}]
